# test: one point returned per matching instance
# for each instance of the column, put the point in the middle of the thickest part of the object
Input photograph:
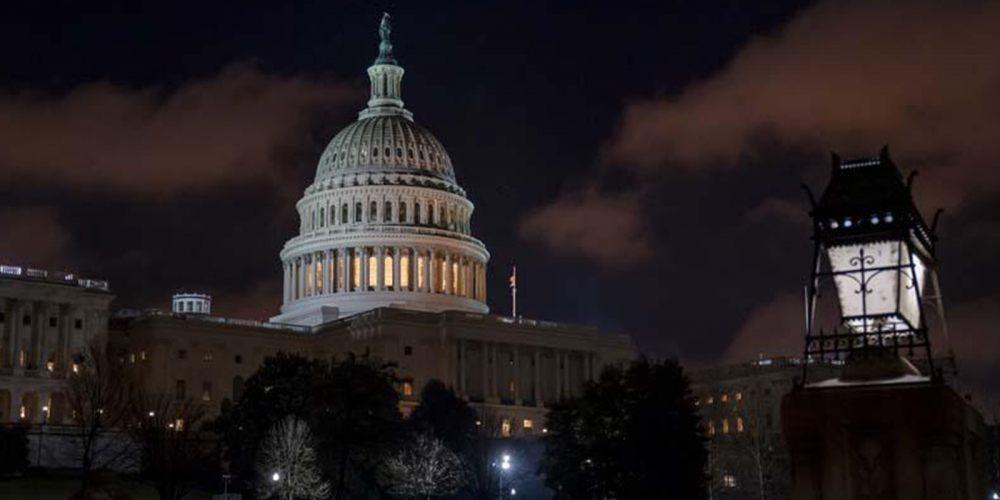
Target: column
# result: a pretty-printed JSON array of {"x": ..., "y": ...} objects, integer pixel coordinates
[
  {"x": 397, "y": 255},
  {"x": 461, "y": 367},
  {"x": 348, "y": 269},
  {"x": 364, "y": 268},
  {"x": 566, "y": 371},
  {"x": 485, "y": 364},
  {"x": 517, "y": 376},
  {"x": 559, "y": 376},
  {"x": 380, "y": 269},
  {"x": 38, "y": 327},
  {"x": 537, "y": 392},
  {"x": 431, "y": 271},
  {"x": 63, "y": 360},
  {"x": 467, "y": 272},
  {"x": 448, "y": 288},
  {"x": 284, "y": 282},
  {"x": 41, "y": 401},
  {"x": 493, "y": 356},
  {"x": 331, "y": 271},
  {"x": 5, "y": 332}
]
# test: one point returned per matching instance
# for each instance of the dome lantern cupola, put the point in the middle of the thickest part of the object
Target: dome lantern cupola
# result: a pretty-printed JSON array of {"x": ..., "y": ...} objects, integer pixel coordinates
[{"x": 386, "y": 78}]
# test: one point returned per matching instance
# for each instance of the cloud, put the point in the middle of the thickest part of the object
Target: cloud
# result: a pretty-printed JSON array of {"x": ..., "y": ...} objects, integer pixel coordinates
[
  {"x": 796, "y": 214},
  {"x": 773, "y": 329},
  {"x": 33, "y": 236},
  {"x": 229, "y": 128},
  {"x": 850, "y": 76},
  {"x": 609, "y": 229},
  {"x": 258, "y": 302}
]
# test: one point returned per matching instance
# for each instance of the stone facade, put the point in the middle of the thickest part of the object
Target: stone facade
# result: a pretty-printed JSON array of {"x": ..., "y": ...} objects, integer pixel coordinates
[
  {"x": 740, "y": 406},
  {"x": 45, "y": 318}
]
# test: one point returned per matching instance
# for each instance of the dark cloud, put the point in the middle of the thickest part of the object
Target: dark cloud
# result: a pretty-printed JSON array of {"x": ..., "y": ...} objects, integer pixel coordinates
[
  {"x": 848, "y": 76},
  {"x": 227, "y": 129},
  {"x": 606, "y": 228},
  {"x": 33, "y": 236}
]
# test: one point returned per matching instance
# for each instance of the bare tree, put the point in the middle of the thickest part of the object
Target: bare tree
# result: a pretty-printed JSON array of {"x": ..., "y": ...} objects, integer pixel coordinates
[
  {"x": 286, "y": 464},
  {"x": 486, "y": 477},
  {"x": 170, "y": 448},
  {"x": 96, "y": 394},
  {"x": 424, "y": 468}
]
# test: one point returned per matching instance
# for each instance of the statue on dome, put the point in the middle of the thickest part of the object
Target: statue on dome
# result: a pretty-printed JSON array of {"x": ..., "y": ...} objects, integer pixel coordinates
[
  {"x": 385, "y": 29},
  {"x": 385, "y": 47}
]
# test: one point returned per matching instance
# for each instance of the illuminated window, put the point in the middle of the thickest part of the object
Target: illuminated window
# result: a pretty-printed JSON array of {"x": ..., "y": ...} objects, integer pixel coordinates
[
  {"x": 454, "y": 277},
  {"x": 528, "y": 423},
  {"x": 372, "y": 271},
  {"x": 711, "y": 427},
  {"x": 511, "y": 387},
  {"x": 319, "y": 276},
  {"x": 356, "y": 271},
  {"x": 206, "y": 391},
  {"x": 24, "y": 412},
  {"x": 739, "y": 396},
  {"x": 725, "y": 397},
  {"x": 709, "y": 400},
  {"x": 142, "y": 355},
  {"x": 131, "y": 358},
  {"x": 309, "y": 281},
  {"x": 408, "y": 388},
  {"x": 729, "y": 480},
  {"x": 50, "y": 365},
  {"x": 76, "y": 368},
  {"x": 442, "y": 279},
  {"x": 23, "y": 358},
  {"x": 387, "y": 268},
  {"x": 340, "y": 271},
  {"x": 420, "y": 270},
  {"x": 207, "y": 356},
  {"x": 739, "y": 424},
  {"x": 404, "y": 270},
  {"x": 725, "y": 426},
  {"x": 505, "y": 427},
  {"x": 179, "y": 425}
]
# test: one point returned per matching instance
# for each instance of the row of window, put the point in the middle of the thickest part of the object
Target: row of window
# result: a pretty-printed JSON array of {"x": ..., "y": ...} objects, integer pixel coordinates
[
  {"x": 394, "y": 270},
  {"x": 725, "y": 427},
  {"x": 451, "y": 218},
  {"x": 53, "y": 321},
  {"x": 433, "y": 159},
  {"x": 23, "y": 361}
]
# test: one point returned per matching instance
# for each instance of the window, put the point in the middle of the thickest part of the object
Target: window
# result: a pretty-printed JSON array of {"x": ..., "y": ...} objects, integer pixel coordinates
[
  {"x": 739, "y": 424},
  {"x": 3, "y": 317},
  {"x": 739, "y": 396},
  {"x": 709, "y": 400},
  {"x": 372, "y": 271},
  {"x": 179, "y": 425},
  {"x": 343, "y": 214},
  {"x": 454, "y": 277},
  {"x": 711, "y": 427},
  {"x": 387, "y": 270},
  {"x": 322, "y": 217},
  {"x": 528, "y": 423},
  {"x": 50, "y": 365},
  {"x": 180, "y": 390},
  {"x": 402, "y": 211},
  {"x": 23, "y": 358},
  {"x": 182, "y": 354},
  {"x": 725, "y": 426},
  {"x": 729, "y": 480},
  {"x": 416, "y": 213},
  {"x": 333, "y": 214},
  {"x": 358, "y": 212},
  {"x": 387, "y": 152},
  {"x": 78, "y": 324},
  {"x": 399, "y": 152},
  {"x": 52, "y": 321},
  {"x": 356, "y": 270},
  {"x": 26, "y": 320},
  {"x": 441, "y": 221},
  {"x": 404, "y": 271},
  {"x": 206, "y": 391},
  {"x": 373, "y": 213},
  {"x": 725, "y": 397},
  {"x": 408, "y": 388},
  {"x": 319, "y": 276},
  {"x": 207, "y": 356},
  {"x": 505, "y": 427},
  {"x": 237, "y": 388},
  {"x": 387, "y": 216},
  {"x": 420, "y": 271},
  {"x": 374, "y": 152},
  {"x": 142, "y": 355},
  {"x": 408, "y": 350},
  {"x": 238, "y": 359},
  {"x": 131, "y": 358}
]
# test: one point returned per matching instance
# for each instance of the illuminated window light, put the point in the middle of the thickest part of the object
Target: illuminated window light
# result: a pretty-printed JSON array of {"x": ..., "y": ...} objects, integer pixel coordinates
[
  {"x": 505, "y": 427},
  {"x": 387, "y": 269},
  {"x": 739, "y": 424},
  {"x": 725, "y": 426},
  {"x": 528, "y": 423},
  {"x": 404, "y": 270}
]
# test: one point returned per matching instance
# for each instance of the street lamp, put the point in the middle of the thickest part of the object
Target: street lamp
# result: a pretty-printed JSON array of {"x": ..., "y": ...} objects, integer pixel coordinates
[
  {"x": 505, "y": 465},
  {"x": 276, "y": 477}
]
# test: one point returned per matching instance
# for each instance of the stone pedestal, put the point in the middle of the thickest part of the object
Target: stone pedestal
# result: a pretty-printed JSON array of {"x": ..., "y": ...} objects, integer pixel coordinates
[{"x": 913, "y": 441}]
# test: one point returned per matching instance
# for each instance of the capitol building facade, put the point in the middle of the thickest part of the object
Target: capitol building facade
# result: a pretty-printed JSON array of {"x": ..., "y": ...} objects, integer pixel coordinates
[{"x": 384, "y": 264}]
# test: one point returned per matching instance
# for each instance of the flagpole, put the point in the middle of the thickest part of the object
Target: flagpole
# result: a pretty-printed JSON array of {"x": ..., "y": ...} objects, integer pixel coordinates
[{"x": 513, "y": 292}]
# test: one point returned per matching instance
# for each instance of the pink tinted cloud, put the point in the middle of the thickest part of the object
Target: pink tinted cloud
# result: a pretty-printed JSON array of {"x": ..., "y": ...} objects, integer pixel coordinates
[
  {"x": 606, "y": 228},
  {"x": 850, "y": 76},
  {"x": 33, "y": 237},
  {"x": 228, "y": 128}
]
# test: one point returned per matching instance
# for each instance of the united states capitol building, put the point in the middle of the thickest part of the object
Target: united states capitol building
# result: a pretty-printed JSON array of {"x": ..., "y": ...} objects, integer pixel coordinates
[{"x": 384, "y": 262}]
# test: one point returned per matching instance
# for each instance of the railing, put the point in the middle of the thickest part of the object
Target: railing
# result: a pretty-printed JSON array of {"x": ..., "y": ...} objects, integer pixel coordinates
[
  {"x": 227, "y": 321},
  {"x": 53, "y": 277}
]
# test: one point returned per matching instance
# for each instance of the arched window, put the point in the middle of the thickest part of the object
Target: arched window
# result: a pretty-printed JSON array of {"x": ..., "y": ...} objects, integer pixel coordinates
[
  {"x": 343, "y": 214},
  {"x": 322, "y": 217},
  {"x": 451, "y": 218},
  {"x": 387, "y": 216},
  {"x": 374, "y": 152},
  {"x": 430, "y": 214},
  {"x": 372, "y": 271},
  {"x": 313, "y": 216},
  {"x": 404, "y": 271},
  {"x": 441, "y": 219},
  {"x": 358, "y": 212},
  {"x": 373, "y": 213},
  {"x": 333, "y": 215},
  {"x": 387, "y": 269},
  {"x": 416, "y": 213},
  {"x": 356, "y": 270},
  {"x": 421, "y": 269},
  {"x": 402, "y": 211}
]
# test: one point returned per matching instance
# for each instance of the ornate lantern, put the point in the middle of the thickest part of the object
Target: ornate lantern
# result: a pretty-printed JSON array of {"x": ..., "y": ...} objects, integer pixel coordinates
[{"x": 872, "y": 243}]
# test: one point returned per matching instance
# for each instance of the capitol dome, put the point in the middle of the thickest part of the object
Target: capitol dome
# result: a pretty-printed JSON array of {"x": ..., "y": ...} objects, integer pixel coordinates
[{"x": 384, "y": 223}]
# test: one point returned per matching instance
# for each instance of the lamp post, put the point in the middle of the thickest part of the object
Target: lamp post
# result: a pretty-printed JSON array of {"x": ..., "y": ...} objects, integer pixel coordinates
[
  {"x": 505, "y": 465},
  {"x": 41, "y": 433}
]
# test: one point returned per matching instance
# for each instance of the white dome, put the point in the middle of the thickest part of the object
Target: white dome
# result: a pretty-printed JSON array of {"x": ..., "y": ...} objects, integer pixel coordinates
[{"x": 384, "y": 224}]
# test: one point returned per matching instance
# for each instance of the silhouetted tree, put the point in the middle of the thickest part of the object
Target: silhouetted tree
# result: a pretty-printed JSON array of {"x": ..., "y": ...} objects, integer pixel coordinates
[
  {"x": 171, "y": 450},
  {"x": 13, "y": 448},
  {"x": 445, "y": 415},
  {"x": 634, "y": 434}
]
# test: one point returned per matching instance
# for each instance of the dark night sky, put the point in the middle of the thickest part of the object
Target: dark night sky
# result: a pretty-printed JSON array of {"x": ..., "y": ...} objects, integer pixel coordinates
[{"x": 639, "y": 161}]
